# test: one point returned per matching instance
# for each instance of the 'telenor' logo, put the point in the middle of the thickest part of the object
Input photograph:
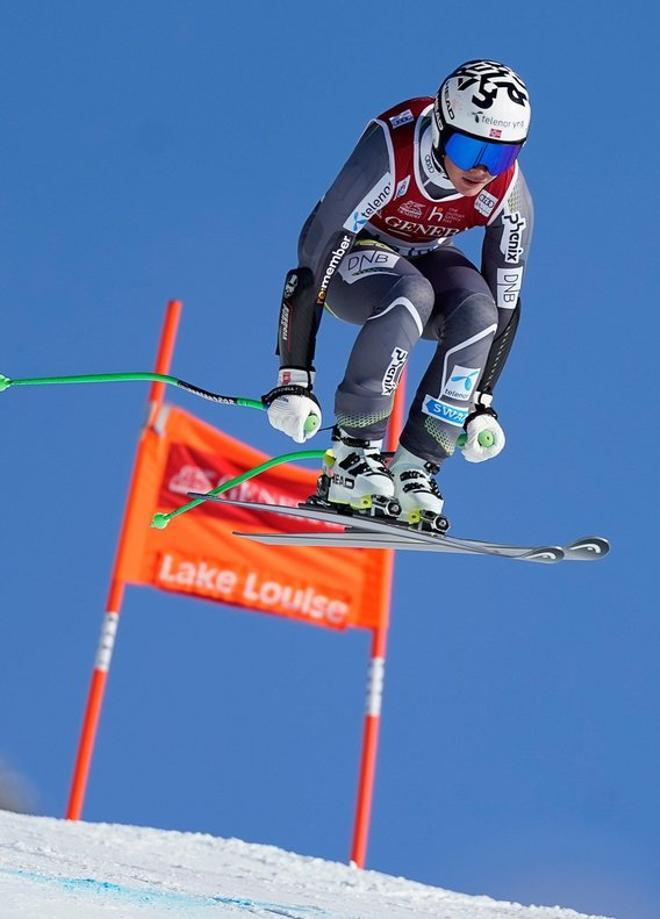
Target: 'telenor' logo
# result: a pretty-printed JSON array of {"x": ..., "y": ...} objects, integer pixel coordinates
[
  {"x": 466, "y": 379},
  {"x": 461, "y": 383}
]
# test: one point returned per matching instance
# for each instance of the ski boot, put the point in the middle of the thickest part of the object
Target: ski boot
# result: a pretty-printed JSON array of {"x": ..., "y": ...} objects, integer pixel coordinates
[
  {"x": 417, "y": 492},
  {"x": 354, "y": 478}
]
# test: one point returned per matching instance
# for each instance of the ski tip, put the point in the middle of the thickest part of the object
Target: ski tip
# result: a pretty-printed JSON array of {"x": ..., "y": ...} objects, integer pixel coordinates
[
  {"x": 253, "y": 536},
  {"x": 5, "y": 382},
  {"x": 588, "y": 548},
  {"x": 200, "y": 495}
]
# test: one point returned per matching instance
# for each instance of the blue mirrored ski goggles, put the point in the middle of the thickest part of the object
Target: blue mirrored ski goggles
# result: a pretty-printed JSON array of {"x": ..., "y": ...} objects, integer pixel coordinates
[{"x": 468, "y": 152}]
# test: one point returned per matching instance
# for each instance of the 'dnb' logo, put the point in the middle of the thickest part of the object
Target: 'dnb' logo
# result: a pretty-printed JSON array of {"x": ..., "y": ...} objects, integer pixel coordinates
[{"x": 461, "y": 383}]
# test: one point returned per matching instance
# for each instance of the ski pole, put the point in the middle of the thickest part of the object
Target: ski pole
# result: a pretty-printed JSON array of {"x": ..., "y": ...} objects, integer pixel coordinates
[
  {"x": 160, "y": 521},
  {"x": 5, "y": 383}
]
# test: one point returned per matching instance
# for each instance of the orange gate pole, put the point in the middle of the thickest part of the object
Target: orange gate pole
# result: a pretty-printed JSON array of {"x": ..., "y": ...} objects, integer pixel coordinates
[
  {"x": 116, "y": 592},
  {"x": 376, "y": 674}
]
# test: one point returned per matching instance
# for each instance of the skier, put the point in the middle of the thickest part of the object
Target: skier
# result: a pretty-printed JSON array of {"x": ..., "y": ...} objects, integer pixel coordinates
[{"x": 377, "y": 251}]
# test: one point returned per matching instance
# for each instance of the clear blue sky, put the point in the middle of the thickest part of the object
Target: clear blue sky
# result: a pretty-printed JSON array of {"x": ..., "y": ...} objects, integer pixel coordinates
[{"x": 157, "y": 150}]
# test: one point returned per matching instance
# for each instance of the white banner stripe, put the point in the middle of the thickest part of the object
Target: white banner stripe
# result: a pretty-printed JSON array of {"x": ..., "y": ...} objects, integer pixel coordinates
[
  {"x": 375, "y": 684},
  {"x": 106, "y": 641}
]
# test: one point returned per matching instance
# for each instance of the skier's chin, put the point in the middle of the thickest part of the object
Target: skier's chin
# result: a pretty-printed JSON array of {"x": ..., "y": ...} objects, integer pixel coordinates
[{"x": 470, "y": 187}]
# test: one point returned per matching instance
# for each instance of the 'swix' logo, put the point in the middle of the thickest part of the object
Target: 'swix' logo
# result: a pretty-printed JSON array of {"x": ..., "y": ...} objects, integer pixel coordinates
[{"x": 452, "y": 414}]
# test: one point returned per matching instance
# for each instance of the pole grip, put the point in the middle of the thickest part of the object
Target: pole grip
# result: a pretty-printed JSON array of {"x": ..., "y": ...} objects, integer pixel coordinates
[
  {"x": 311, "y": 424},
  {"x": 485, "y": 439}
]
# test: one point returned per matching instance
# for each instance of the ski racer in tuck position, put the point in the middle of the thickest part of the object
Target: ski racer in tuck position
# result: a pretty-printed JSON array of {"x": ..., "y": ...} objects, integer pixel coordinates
[{"x": 377, "y": 251}]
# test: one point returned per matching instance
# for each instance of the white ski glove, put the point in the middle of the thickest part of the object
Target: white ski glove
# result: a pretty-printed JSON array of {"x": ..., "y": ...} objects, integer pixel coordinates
[
  {"x": 292, "y": 407},
  {"x": 484, "y": 435}
]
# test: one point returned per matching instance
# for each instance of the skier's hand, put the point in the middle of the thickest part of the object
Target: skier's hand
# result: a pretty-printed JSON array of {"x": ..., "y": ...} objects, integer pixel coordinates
[
  {"x": 484, "y": 437},
  {"x": 292, "y": 407}
]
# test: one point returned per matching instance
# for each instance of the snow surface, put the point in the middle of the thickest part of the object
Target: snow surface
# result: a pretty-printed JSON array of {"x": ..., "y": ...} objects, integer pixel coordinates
[{"x": 63, "y": 870}]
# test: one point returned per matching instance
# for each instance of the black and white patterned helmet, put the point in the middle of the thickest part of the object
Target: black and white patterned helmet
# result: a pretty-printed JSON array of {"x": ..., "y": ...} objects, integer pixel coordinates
[{"x": 484, "y": 99}]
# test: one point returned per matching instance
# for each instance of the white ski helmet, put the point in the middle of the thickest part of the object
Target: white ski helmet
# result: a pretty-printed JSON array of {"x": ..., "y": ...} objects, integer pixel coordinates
[{"x": 481, "y": 116}]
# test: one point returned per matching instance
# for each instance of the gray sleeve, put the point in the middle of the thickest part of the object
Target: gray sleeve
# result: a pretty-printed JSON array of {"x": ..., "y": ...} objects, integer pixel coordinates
[
  {"x": 504, "y": 258},
  {"x": 364, "y": 171},
  {"x": 363, "y": 186},
  {"x": 507, "y": 243}
]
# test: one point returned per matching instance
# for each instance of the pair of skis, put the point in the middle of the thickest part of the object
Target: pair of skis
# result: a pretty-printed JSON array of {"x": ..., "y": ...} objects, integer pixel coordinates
[{"x": 365, "y": 532}]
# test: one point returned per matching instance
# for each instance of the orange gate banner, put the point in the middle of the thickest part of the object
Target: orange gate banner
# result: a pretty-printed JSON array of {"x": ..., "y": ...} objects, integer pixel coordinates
[{"x": 198, "y": 555}]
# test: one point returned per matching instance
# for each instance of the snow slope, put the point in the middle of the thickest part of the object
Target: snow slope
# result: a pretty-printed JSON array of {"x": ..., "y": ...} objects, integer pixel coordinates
[{"x": 62, "y": 870}]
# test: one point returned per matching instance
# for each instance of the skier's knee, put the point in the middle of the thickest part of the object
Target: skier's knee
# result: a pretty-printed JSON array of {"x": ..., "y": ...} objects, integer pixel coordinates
[
  {"x": 481, "y": 309},
  {"x": 412, "y": 292}
]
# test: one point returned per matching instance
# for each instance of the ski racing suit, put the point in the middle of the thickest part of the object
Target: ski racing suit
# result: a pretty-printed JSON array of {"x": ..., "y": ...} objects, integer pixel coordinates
[{"x": 377, "y": 251}]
